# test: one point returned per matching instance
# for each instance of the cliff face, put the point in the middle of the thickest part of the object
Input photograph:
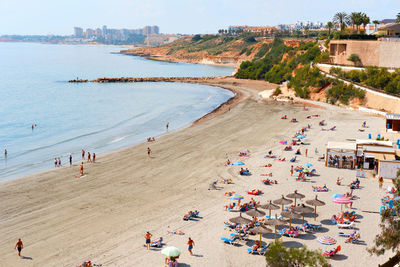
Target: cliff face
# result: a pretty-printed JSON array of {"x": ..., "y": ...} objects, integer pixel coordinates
[{"x": 210, "y": 49}]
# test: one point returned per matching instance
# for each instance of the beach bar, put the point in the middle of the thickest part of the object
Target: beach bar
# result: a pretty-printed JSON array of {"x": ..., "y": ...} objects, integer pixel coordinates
[
  {"x": 393, "y": 122},
  {"x": 340, "y": 155}
]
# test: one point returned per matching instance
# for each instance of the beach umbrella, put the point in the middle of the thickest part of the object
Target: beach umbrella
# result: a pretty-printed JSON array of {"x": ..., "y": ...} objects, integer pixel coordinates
[
  {"x": 239, "y": 220},
  {"x": 238, "y": 163},
  {"x": 282, "y": 201},
  {"x": 269, "y": 207},
  {"x": 261, "y": 230},
  {"x": 171, "y": 252},
  {"x": 275, "y": 222},
  {"x": 342, "y": 200},
  {"x": 236, "y": 197},
  {"x": 290, "y": 215},
  {"x": 303, "y": 209},
  {"x": 316, "y": 203},
  {"x": 300, "y": 136},
  {"x": 255, "y": 213},
  {"x": 326, "y": 240},
  {"x": 307, "y": 165},
  {"x": 295, "y": 195},
  {"x": 283, "y": 142}
]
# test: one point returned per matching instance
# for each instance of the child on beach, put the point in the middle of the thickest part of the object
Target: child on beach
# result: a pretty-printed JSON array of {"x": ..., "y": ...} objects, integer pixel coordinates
[
  {"x": 148, "y": 151},
  {"x": 191, "y": 245},
  {"x": 82, "y": 168},
  {"x": 291, "y": 170}
]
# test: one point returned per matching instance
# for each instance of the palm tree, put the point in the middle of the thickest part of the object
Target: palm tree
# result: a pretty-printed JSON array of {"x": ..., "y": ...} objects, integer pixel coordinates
[
  {"x": 341, "y": 19},
  {"x": 365, "y": 20},
  {"x": 356, "y": 20},
  {"x": 376, "y": 22},
  {"x": 329, "y": 25},
  {"x": 398, "y": 18}
]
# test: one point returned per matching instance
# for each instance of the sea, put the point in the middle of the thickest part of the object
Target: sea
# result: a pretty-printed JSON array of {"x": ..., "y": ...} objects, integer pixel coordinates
[{"x": 99, "y": 118}]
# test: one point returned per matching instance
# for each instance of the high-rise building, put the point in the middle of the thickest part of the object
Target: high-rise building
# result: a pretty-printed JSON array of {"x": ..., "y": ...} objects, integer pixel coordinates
[
  {"x": 78, "y": 32},
  {"x": 99, "y": 33},
  {"x": 90, "y": 33}
]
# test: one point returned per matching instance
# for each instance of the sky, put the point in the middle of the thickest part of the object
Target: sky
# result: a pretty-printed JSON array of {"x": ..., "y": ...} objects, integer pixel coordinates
[{"x": 175, "y": 16}]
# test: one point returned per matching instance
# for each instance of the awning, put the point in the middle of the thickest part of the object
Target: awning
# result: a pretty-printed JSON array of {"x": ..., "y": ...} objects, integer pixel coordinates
[
  {"x": 384, "y": 156},
  {"x": 369, "y": 155}
]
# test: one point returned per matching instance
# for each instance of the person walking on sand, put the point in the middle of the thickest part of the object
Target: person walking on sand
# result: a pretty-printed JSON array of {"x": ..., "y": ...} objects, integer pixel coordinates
[
  {"x": 166, "y": 126},
  {"x": 148, "y": 151},
  {"x": 291, "y": 170},
  {"x": 70, "y": 159},
  {"x": 191, "y": 245},
  {"x": 94, "y": 157},
  {"x": 380, "y": 182},
  {"x": 19, "y": 246},
  {"x": 83, "y": 154},
  {"x": 306, "y": 152},
  {"x": 82, "y": 168},
  {"x": 148, "y": 236}
]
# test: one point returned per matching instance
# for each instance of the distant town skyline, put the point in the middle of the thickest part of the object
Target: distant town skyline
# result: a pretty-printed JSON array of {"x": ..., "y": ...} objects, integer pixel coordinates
[{"x": 175, "y": 16}]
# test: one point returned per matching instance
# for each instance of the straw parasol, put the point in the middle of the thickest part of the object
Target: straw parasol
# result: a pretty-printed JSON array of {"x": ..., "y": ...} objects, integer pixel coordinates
[
  {"x": 342, "y": 200},
  {"x": 239, "y": 220},
  {"x": 282, "y": 201},
  {"x": 269, "y": 207},
  {"x": 303, "y": 209},
  {"x": 255, "y": 213},
  {"x": 316, "y": 203},
  {"x": 275, "y": 222},
  {"x": 295, "y": 195},
  {"x": 261, "y": 230},
  {"x": 290, "y": 215}
]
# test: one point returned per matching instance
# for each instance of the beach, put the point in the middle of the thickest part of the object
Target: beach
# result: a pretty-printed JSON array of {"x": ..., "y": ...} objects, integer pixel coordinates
[{"x": 103, "y": 217}]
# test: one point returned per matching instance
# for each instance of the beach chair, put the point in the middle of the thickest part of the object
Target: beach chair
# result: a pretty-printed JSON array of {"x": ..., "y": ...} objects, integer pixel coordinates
[
  {"x": 331, "y": 253},
  {"x": 345, "y": 225},
  {"x": 333, "y": 128},
  {"x": 213, "y": 185},
  {"x": 230, "y": 225},
  {"x": 347, "y": 234},
  {"x": 196, "y": 214},
  {"x": 315, "y": 227},
  {"x": 232, "y": 241},
  {"x": 293, "y": 159},
  {"x": 260, "y": 251},
  {"x": 273, "y": 217},
  {"x": 353, "y": 239},
  {"x": 157, "y": 243}
]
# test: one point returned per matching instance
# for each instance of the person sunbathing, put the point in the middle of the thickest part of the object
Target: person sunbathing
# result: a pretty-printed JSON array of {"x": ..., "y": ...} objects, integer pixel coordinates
[
  {"x": 339, "y": 181},
  {"x": 256, "y": 246},
  {"x": 228, "y": 162},
  {"x": 321, "y": 158},
  {"x": 298, "y": 152}
]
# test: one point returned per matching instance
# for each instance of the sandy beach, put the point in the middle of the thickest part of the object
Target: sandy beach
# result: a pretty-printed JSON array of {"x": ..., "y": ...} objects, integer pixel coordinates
[{"x": 103, "y": 216}]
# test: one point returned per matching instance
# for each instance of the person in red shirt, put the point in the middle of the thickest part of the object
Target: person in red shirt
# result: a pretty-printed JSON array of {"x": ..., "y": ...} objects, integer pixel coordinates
[{"x": 191, "y": 245}]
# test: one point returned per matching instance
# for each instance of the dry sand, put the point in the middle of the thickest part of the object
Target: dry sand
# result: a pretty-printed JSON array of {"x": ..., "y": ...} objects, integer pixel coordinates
[{"x": 63, "y": 220}]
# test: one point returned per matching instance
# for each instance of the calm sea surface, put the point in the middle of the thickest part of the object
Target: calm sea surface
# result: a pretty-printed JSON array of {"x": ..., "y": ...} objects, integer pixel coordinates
[{"x": 97, "y": 117}]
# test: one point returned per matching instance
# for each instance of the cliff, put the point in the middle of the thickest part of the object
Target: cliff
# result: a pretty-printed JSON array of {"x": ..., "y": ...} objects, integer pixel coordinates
[{"x": 209, "y": 49}]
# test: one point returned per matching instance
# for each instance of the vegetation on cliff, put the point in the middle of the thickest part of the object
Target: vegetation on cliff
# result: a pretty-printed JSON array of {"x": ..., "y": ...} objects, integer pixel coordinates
[
  {"x": 295, "y": 65},
  {"x": 375, "y": 77}
]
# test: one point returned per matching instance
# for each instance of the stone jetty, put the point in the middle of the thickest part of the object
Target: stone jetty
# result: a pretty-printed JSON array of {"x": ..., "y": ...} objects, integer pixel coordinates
[{"x": 151, "y": 79}]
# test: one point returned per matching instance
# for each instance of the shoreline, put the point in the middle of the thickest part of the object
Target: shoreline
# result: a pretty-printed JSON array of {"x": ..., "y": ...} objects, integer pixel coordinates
[{"x": 103, "y": 216}]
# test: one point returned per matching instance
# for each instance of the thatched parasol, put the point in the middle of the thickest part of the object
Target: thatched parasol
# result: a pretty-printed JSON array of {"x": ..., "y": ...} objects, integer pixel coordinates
[
  {"x": 255, "y": 213},
  {"x": 303, "y": 209},
  {"x": 275, "y": 222},
  {"x": 316, "y": 203},
  {"x": 269, "y": 207},
  {"x": 261, "y": 230},
  {"x": 282, "y": 201},
  {"x": 296, "y": 196},
  {"x": 239, "y": 220},
  {"x": 290, "y": 215}
]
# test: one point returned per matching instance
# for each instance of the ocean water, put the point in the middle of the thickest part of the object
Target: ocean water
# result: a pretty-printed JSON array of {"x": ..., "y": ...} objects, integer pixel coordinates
[{"x": 97, "y": 117}]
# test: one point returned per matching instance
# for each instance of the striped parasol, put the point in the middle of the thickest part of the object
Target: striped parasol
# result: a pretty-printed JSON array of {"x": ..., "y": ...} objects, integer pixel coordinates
[
  {"x": 236, "y": 197},
  {"x": 326, "y": 240},
  {"x": 342, "y": 200}
]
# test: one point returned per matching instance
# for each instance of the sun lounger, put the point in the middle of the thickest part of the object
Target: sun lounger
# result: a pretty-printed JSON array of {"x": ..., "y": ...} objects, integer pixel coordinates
[
  {"x": 233, "y": 240},
  {"x": 273, "y": 217},
  {"x": 230, "y": 225},
  {"x": 353, "y": 239},
  {"x": 348, "y": 234},
  {"x": 315, "y": 226},
  {"x": 260, "y": 251},
  {"x": 213, "y": 185},
  {"x": 293, "y": 159},
  {"x": 286, "y": 232},
  {"x": 346, "y": 225},
  {"x": 332, "y": 252}
]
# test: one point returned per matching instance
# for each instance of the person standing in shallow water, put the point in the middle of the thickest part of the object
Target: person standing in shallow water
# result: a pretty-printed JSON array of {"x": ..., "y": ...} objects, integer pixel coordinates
[
  {"x": 83, "y": 154},
  {"x": 70, "y": 159},
  {"x": 19, "y": 246},
  {"x": 94, "y": 157},
  {"x": 166, "y": 126}
]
